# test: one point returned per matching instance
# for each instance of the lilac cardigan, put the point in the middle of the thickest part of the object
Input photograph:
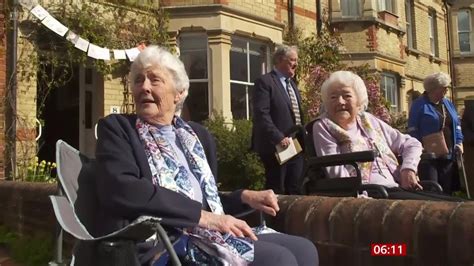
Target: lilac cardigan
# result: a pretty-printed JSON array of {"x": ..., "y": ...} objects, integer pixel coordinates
[{"x": 401, "y": 144}]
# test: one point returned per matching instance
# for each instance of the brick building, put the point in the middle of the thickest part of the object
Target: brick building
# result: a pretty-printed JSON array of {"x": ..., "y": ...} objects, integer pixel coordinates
[
  {"x": 402, "y": 40},
  {"x": 461, "y": 26},
  {"x": 226, "y": 44}
]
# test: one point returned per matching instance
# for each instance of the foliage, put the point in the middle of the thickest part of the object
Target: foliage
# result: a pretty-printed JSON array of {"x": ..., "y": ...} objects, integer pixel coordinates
[
  {"x": 239, "y": 167},
  {"x": 53, "y": 58},
  {"x": 41, "y": 171},
  {"x": 28, "y": 250},
  {"x": 319, "y": 56},
  {"x": 47, "y": 61}
]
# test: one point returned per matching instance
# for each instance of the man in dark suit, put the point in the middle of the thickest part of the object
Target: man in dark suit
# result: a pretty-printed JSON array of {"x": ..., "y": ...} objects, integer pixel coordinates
[{"x": 276, "y": 114}]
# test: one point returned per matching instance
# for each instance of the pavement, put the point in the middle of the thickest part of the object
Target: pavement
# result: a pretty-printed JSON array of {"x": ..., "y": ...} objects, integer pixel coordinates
[{"x": 5, "y": 259}]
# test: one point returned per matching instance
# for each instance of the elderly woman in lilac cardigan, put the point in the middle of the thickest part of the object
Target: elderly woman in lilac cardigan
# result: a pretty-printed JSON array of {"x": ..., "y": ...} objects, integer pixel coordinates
[{"x": 346, "y": 127}]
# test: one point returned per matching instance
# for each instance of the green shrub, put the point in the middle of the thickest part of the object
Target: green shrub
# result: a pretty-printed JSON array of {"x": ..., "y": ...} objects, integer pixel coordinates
[
  {"x": 28, "y": 250},
  {"x": 239, "y": 167}
]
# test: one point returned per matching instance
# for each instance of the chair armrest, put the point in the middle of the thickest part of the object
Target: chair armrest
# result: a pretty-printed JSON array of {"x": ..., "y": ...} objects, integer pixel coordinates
[
  {"x": 342, "y": 159},
  {"x": 430, "y": 185},
  {"x": 374, "y": 190}
]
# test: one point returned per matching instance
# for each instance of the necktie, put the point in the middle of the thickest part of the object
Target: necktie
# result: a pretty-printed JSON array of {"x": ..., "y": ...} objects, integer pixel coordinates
[{"x": 294, "y": 102}]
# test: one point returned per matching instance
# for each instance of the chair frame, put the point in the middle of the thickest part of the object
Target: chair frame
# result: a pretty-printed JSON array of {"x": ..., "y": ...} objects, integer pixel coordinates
[{"x": 146, "y": 224}]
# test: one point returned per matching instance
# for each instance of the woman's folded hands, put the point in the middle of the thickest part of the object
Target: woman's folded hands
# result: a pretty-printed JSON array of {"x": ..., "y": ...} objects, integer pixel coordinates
[{"x": 226, "y": 224}]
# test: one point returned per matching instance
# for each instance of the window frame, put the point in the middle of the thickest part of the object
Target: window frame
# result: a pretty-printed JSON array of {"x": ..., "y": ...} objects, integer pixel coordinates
[
  {"x": 249, "y": 82},
  {"x": 345, "y": 6},
  {"x": 410, "y": 24},
  {"x": 394, "y": 107},
  {"x": 469, "y": 32},
  {"x": 382, "y": 6},
  {"x": 208, "y": 64},
  {"x": 433, "y": 33}
]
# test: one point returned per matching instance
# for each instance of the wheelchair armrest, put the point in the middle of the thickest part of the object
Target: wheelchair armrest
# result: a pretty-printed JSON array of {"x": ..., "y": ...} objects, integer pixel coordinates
[
  {"x": 430, "y": 185},
  {"x": 374, "y": 191},
  {"x": 342, "y": 159}
]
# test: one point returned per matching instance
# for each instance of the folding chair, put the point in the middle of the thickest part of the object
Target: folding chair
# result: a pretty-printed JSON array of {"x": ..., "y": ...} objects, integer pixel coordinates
[{"x": 112, "y": 247}]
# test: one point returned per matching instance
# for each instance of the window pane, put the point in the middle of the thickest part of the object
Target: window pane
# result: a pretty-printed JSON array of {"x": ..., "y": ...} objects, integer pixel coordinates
[
  {"x": 409, "y": 23},
  {"x": 238, "y": 101},
  {"x": 382, "y": 5},
  {"x": 464, "y": 23},
  {"x": 258, "y": 52},
  {"x": 464, "y": 42},
  {"x": 389, "y": 88},
  {"x": 193, "y": 49},
  {"x": 197, "y": 101},
  {"x": 350, "y": 8},
  {"x": 238, "y": 60}
]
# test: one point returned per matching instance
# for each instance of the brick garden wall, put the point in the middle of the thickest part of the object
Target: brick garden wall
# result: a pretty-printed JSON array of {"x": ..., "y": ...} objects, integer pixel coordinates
[
  {"x": 436, "y": 233},
  {"x": 342, "y": 228}
]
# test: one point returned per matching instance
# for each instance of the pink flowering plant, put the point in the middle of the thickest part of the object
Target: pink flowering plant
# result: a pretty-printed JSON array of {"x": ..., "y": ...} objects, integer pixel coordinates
[{"x": 319, "y": 56}]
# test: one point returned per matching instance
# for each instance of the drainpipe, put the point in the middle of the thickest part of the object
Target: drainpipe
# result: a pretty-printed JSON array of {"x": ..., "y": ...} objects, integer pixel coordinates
[
  {"x": 319, "y": 19},
  {"x": 10, "y": 118},
  {"x": 291, "y": 15},
  {"x": 447, "y": 6}
]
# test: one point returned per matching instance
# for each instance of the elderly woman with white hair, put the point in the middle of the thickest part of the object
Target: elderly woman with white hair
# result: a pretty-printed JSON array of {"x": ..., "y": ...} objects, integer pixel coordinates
[
  {"x": 153, "y": 163},
  {"x": 433, "y": 120},
  {"x": 346, "y": 127}
]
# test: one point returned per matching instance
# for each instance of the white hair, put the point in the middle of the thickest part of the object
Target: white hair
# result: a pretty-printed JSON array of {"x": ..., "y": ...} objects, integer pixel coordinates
[
  {"x": 155, "y": 56},
  {"x": 282, "y": 52},
  {"x": 347, "y": 79},
  {"x": 436, "y": 81}
]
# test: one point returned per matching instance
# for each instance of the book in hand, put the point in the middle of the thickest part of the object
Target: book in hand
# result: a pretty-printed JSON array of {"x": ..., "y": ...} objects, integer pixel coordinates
[{"x": 285, "y": 154}]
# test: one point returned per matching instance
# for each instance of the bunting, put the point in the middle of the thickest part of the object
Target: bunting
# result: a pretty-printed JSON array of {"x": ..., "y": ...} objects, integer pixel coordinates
[{"x": 92, "y": 50}]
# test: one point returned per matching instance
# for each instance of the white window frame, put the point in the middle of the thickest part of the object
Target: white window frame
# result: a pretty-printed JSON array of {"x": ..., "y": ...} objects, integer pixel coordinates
[
  {"x": 249, "y": 82},
  {"x": 387, "y": 5},
  {"x": 393, "y": 95},
  {"x": 469, "y": 31},
  {"x": 410, "y": 23},
  {"x": 432, "y": 25},
  {"x": 350, "y": 8}
]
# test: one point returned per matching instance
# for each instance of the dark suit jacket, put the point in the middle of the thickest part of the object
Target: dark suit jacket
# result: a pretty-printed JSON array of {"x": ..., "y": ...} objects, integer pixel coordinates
[{"x": 273, "y": 118}]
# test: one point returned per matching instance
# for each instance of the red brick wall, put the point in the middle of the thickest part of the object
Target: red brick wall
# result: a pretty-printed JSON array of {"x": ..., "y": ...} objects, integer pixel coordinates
[
  {"x": 3, "y": 67},
  {"x": 436, "y": 233}
]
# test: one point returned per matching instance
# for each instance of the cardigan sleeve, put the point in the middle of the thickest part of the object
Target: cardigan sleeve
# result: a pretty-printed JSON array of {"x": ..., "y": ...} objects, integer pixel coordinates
[
  {"x": 401, "y": 144},
  {"x": 122, "y": 187}
]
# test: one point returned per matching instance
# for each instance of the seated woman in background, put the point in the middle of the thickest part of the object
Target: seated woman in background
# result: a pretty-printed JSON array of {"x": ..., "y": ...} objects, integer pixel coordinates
[
  {"x": 152, "y": 163},
  {"x": 345, "y": 127}
]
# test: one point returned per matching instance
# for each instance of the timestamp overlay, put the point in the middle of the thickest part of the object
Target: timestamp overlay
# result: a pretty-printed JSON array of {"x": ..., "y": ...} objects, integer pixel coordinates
[{"x": 388, "y": 249}]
